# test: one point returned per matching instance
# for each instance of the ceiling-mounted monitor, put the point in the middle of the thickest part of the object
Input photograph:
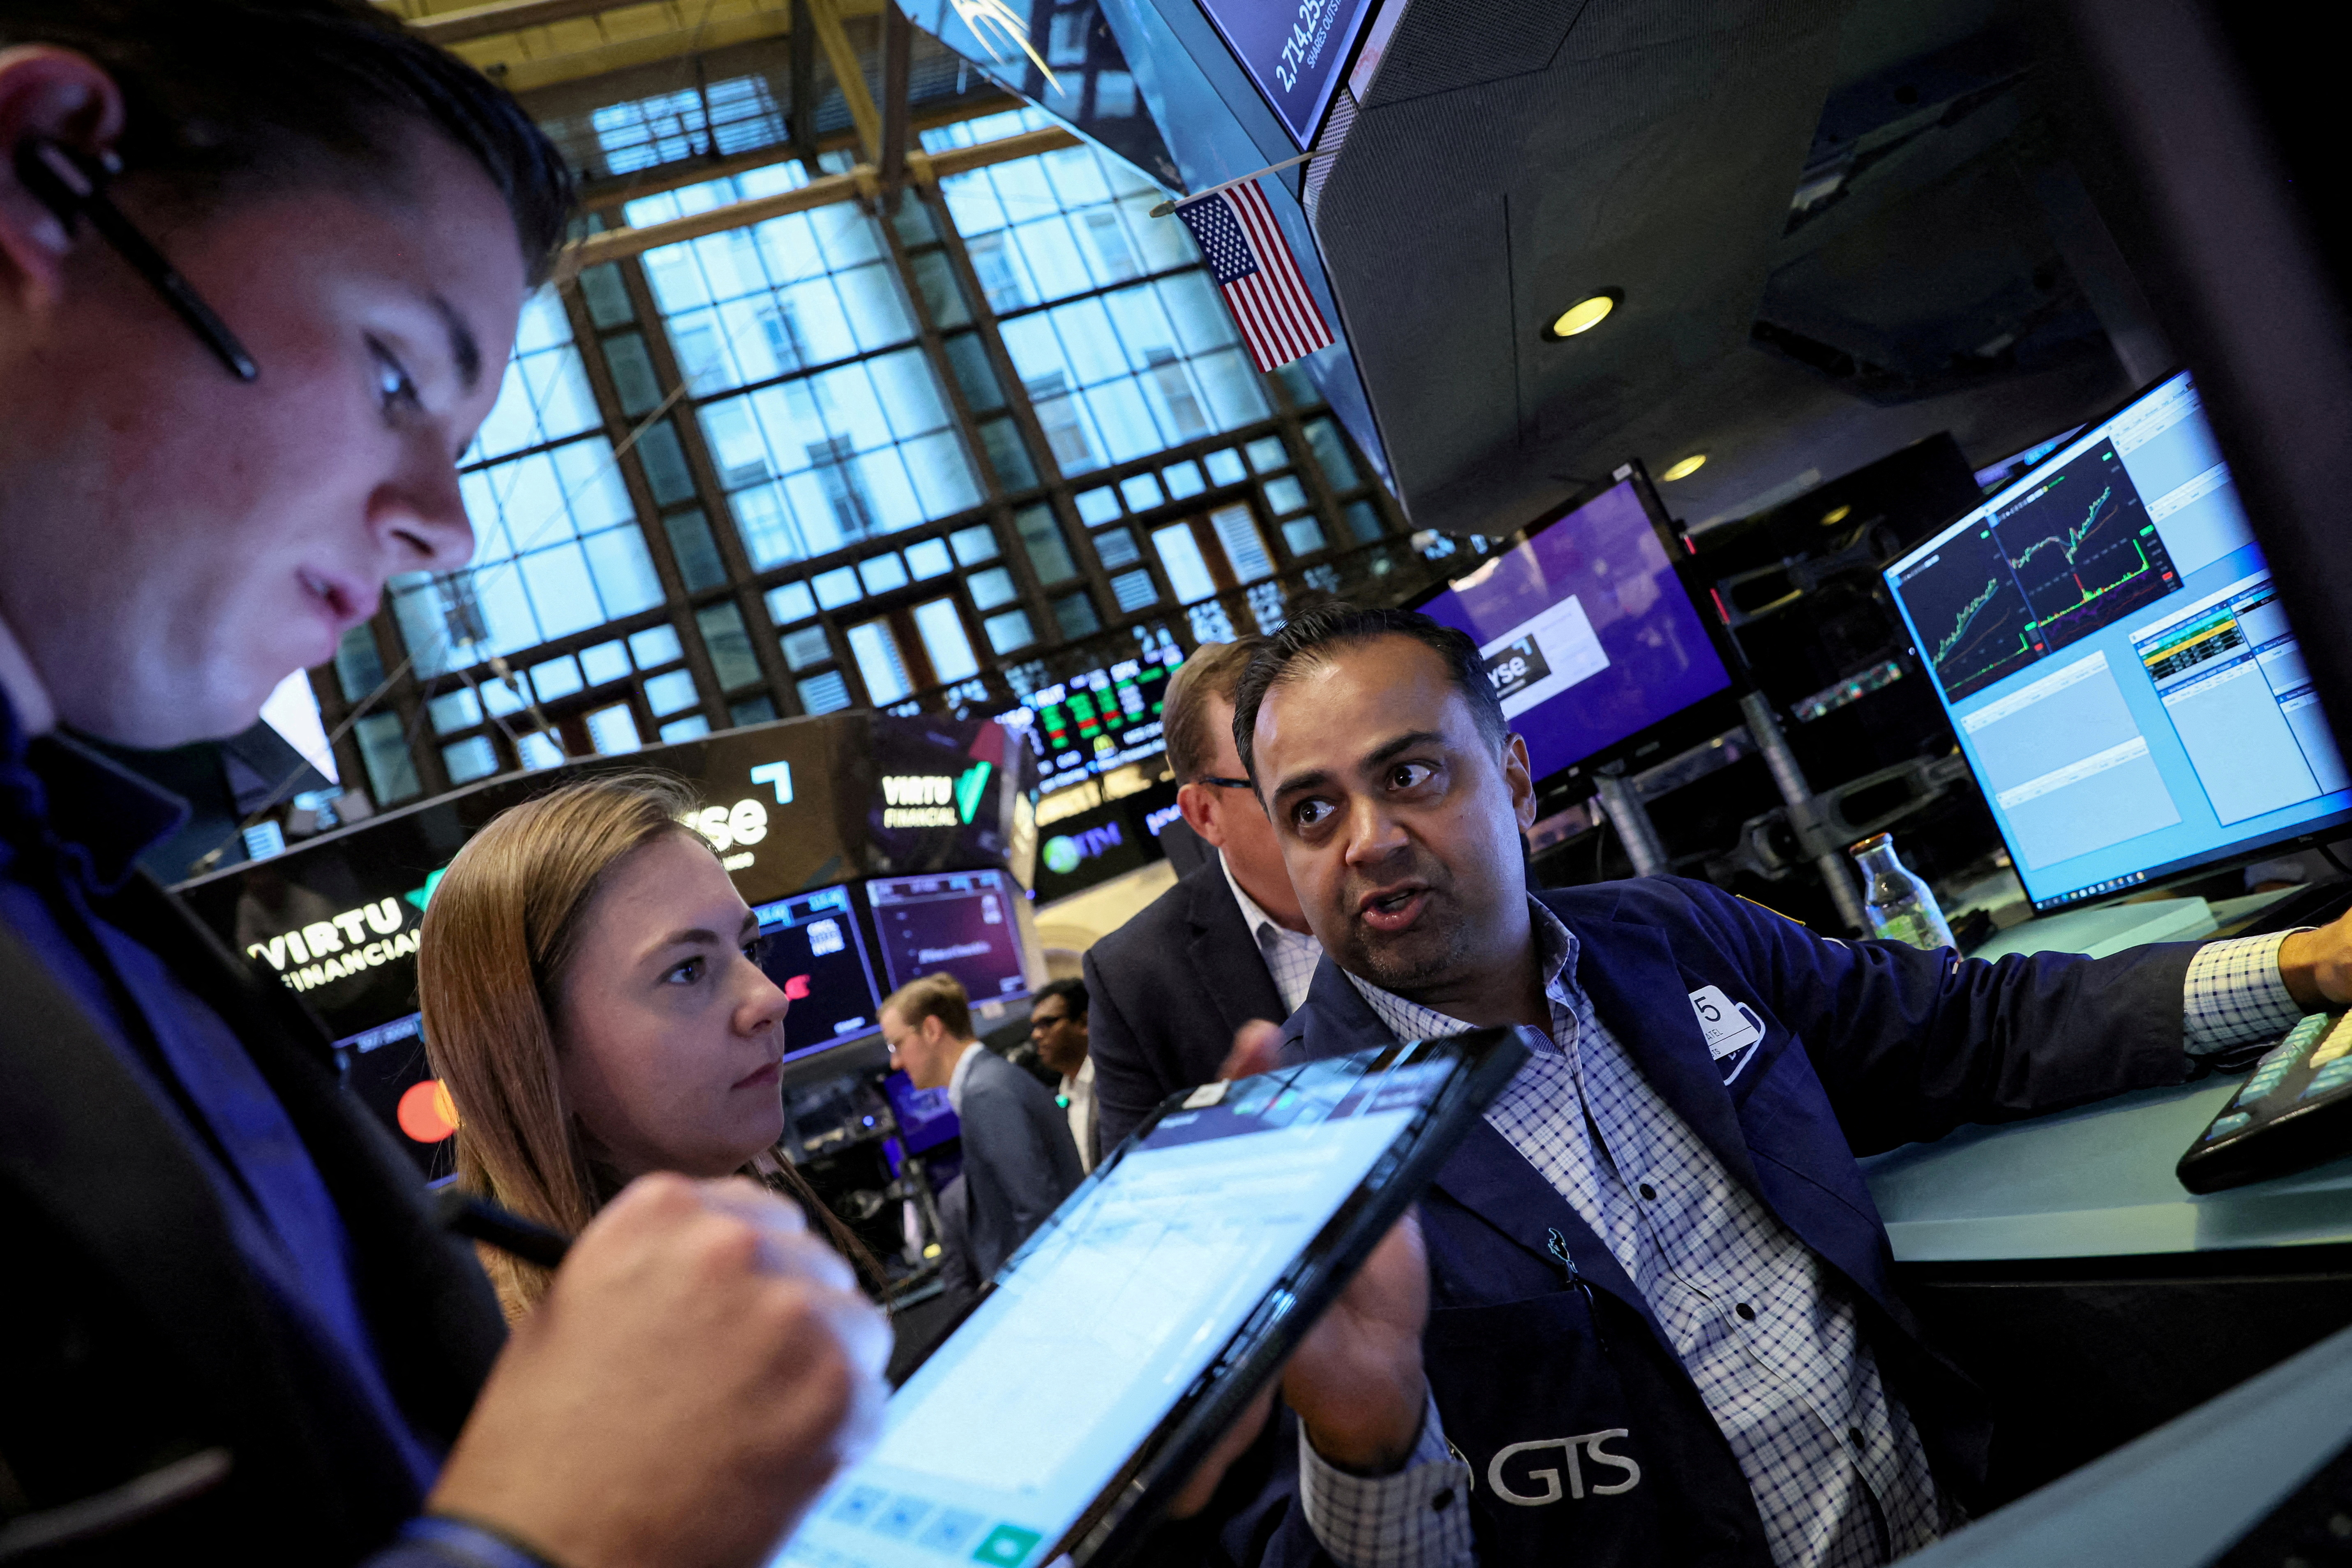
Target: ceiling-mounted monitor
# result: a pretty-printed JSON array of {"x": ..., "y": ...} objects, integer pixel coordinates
[
  {"x": 1298, "y": 54},
  {"x": 2103, "y": 635},
  {"x": 809, "y": 946},
  {"x": 959, "y": 922},
  {"x": 1591, "y": 636}
]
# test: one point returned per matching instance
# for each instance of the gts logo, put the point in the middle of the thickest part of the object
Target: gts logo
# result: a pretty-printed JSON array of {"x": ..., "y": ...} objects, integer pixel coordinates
[{"x": 1550, "y": 1477}]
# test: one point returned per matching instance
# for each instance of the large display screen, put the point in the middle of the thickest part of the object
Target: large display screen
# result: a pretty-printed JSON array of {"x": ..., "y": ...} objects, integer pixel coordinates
[
  {"x": 1588, "y": 633},
  {"x": 809, "y": 947},
  {"x": 1295, "y": 51},
  {"x": 2104, "y": 635},
  {"x": 957, "y": 921}
]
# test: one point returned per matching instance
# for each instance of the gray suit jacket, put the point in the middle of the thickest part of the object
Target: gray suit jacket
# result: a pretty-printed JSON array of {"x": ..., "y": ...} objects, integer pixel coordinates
[{"x": 1019, "y": 1162}]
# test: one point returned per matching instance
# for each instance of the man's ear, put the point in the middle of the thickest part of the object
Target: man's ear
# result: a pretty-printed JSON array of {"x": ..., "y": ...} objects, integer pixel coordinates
[
  {"x": 63, "y": 96},
  {"x": 1198, "y": 803},
  {"x": 1519, "y": 779}
]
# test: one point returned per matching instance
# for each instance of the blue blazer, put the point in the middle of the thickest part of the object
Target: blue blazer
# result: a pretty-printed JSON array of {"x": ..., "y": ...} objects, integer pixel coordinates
[{"x": 1587, "y": 1440}]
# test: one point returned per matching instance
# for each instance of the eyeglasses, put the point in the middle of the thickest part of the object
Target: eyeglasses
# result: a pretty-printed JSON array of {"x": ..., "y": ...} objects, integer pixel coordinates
[
  {"x": 1226, "y": 784},
  {"x": 70, "y": 184}
]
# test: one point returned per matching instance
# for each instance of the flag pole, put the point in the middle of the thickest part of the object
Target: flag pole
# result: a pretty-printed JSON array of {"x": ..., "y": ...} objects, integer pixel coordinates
[{"x": 1164, "y": 208}]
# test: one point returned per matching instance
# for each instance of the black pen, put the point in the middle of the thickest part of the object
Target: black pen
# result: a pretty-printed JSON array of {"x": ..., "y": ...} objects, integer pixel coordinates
[
  {"x": 477, "y": 1219},
  {"x": 70, "y": 184}
]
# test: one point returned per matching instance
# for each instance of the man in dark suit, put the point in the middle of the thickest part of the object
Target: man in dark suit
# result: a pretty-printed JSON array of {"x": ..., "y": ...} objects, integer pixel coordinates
[
  {"x": 1226, "y": 945},
  {"x": 1647, "y": 1314},
  {"x": 1019, "y": 1162},
  {"x": 234, "y": 1332}
]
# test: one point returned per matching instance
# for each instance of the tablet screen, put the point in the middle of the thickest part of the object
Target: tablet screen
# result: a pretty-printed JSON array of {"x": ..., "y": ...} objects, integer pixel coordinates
[{"x": 1107, "y": 1318}]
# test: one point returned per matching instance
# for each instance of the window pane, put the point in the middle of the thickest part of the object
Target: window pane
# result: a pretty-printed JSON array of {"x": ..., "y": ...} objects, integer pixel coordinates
[
  {"x": 968, "y": 360},
  {"x": 838, "y": 587},
  {"x": 1075, "y": 614},
  {"x": 695, "y": 551},
  {"x": 935, "y": 281},
  {"x": 1225, "y": 468},
  {"x": 470, "y": 759},
  {"x": 806, "y": 646},
  {"x": 383, "y": 748},
  {"x": 791, "y": 603},
  {"x": 876, "y": 652},
  {"x": 730, "y": 647},
  {"x": 623, "y": 568},
  {"x": 941, "y": 629},
  {"x": 454, "y": 711},
  {"x": 1244, "y": 550},
  {"x": 605, "y": 661},
  {"x": 751, "y": 710},
  {"x": 1331, "y": 450},
  {"x": 1141, "y": 491},
  {"x": 1181, "y": 557},
  {"x": 1115, "y": 547},
  {"x": 1302, "y": 535},
  {"x": 692, "y": 729},
  {"x": 928, "y": 559},
  {"x": 1042, "y": 537},
  {"x": 654, "y": 646},
  {"x": 881, "y": 573},
  {"x": 539, "y": 750},
  {"x": 1097, "y": 506},
  {"x": 664, "y": 459},
  {"x": 1267, "y": 452},
  {"x": 1009, "y": 631},
  {"x": 358, "y": 668},
  {"x": 975, "y": 544},
  {"x": 1363, "y": 521},
  {"x": 668, "y": 693},
  {"x": 1008, "y": 454},
  {"x": 556, "y": 678},
  {"x": 607, "y": 297},
  {"x": 633, "y": 373},
  {"x": 1183, "y": 480},
  {"x": 826, "y": 693},
  {"x": 1235, "y": 395},
  {"x": 614, "y": 731},
  {"x": 1285, "y": 496},
  {"x": 1134, "y": 591},
  {"x": 990, "y": 588}
]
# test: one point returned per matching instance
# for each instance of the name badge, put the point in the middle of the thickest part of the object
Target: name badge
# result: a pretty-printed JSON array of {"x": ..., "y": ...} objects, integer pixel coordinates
[{"x": 1730, "y": 1028}]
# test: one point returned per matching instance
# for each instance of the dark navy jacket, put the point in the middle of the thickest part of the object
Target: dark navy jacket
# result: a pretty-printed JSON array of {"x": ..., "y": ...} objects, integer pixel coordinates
[{"x": 1550, "y": 1380}]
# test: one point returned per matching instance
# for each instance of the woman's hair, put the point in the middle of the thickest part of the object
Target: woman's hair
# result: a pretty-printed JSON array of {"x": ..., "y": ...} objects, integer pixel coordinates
[{"x": 501, "y": 928}]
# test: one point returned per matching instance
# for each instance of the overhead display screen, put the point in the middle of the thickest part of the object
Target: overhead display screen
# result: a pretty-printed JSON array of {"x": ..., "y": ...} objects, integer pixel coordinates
[
  {"x": 1296, "y": 51},
  {"x": 2105, "y": 634},
  {"x": 1093, "y": 722},
  {"x": 1588, "y": 633},
  {"x": 811, "y": 949},
  {"x": 957, "y": 921}
]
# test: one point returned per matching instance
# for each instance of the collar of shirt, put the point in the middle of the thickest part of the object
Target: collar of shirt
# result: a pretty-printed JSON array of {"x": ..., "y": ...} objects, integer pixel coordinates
[
  {"x": 962, "y": 1071},
  {"x": 1081, "y": 1082},
  {"x": 1555, "y": 949},
  {"x": 1290, "y": 956},
  {"x": 93, "y": 817}
]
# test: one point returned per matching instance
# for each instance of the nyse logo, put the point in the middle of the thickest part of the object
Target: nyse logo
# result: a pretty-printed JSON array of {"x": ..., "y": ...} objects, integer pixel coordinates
[
  {"x": 745, "y": 822},
  {"x": 1533, "y": 1469}
]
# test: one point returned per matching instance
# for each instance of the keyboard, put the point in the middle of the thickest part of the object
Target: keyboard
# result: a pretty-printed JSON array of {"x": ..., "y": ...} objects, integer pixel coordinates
[{"x": 2293, "y": 1111}]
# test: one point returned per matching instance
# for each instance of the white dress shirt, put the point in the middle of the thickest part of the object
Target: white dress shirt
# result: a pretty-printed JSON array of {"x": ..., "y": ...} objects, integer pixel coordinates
[
  {"x": 1080, "y": 1091},
  {"x": 1290, "y": 956},
  {"x": 962, "y": 1071}
]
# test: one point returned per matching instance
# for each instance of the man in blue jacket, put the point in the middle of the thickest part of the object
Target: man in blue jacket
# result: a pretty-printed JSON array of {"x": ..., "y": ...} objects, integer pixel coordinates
[{"x": 1656, "y": 1323}]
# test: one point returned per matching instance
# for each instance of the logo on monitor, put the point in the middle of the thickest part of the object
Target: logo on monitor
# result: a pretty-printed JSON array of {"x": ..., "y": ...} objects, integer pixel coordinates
[{"x": 934, "y": 800}]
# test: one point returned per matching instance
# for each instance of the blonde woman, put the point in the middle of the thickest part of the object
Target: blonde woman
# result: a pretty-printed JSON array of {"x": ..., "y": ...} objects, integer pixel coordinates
[{"x": 593, "y": 1002}]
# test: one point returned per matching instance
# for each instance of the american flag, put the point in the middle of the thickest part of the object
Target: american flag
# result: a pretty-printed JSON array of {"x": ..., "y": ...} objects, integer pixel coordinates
[{"x": 1254, "y": 267}]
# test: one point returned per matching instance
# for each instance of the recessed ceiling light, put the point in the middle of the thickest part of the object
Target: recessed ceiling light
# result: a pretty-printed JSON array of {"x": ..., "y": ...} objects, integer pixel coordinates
[
  {"x": 1832, "y": 519},
  {"x": 1687, "y": 467},
  {"x": 1582, "y": 316}
]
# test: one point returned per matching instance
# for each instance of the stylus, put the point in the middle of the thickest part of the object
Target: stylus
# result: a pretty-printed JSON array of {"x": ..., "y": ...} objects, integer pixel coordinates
[{"x": 477, "y": 1219}]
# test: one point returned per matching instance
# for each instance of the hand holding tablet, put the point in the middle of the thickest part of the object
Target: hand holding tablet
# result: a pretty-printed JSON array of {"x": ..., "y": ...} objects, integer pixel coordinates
[{"x": 1136, "y": 1327}]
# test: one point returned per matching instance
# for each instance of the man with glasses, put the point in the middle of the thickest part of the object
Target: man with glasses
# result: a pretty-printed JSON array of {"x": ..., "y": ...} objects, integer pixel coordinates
[
  {"x": 1226, "y": 945},
  {"x": 1057, "y": 1027},
  {"x": 260, "y": 265}
]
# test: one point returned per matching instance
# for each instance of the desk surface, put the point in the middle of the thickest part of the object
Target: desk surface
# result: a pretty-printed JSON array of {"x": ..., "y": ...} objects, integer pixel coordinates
[
  {"x": 2181, "y": 1496},
  {"x": 2094, "y": 1182}
]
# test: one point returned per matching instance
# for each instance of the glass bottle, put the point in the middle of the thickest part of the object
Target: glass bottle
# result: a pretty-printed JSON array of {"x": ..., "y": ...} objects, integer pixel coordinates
[{"x": 1901, "y": 906}]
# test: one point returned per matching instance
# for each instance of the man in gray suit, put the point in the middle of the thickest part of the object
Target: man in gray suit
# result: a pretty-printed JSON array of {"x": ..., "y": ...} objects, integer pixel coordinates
[{"x": 1019, "y": 1162}]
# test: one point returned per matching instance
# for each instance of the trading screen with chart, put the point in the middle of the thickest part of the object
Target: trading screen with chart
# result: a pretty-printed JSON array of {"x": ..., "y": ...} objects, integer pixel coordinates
[{"x": 2104, "y": 636}]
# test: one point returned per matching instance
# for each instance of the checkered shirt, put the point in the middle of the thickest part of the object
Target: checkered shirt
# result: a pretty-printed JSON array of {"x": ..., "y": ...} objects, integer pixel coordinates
[
  {"x": 1290, "y": 956},
  {"x": 1838, "y": 1472},
  {"x": 2234, "y": 995}
]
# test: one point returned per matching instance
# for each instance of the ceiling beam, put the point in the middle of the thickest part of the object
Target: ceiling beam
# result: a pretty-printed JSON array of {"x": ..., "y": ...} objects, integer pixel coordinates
[
  {"x": 847, "y": 74},
  {"x": 862, "y": 181},
  {"x": 446, "y": 27},
  {"x": 897, "y": 63}
]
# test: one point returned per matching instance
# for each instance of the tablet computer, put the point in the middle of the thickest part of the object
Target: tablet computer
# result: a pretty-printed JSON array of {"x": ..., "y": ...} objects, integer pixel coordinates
[{"x": 1129, "y": 1332}]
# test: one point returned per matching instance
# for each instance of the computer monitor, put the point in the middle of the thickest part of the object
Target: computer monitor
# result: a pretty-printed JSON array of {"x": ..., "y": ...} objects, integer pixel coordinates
[
  {"x": 1096, "y": 721},
  {"x": 2104, "y": 636},
  {"x": 1590, "y": 634},
  {"x": 811, "y": 948},
  {"x": 961, "y": 922}
]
